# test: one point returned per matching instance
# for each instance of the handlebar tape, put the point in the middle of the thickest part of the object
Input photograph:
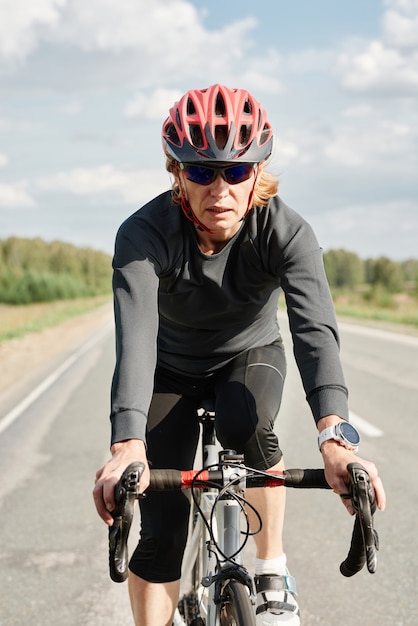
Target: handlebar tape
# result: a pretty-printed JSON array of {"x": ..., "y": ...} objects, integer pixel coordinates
[
  {"x": 165, "y": 479},
  {"x": 306, "y": 479}
]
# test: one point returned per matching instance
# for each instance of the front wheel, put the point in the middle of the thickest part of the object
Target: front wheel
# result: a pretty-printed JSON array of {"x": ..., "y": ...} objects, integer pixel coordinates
[{"x": 236, "y": 608}]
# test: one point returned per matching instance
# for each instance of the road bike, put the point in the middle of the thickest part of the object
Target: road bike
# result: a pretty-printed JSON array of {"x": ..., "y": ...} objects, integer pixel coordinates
[{"x": 217, "y": 589}]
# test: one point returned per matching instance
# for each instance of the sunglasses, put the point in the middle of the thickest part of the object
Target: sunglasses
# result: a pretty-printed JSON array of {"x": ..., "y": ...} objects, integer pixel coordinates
[{"x": 205, "y": 175}]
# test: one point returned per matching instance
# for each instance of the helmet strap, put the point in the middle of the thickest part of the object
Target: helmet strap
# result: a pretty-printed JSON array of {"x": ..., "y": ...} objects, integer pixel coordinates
[
  {"x": 187, "y": 209},
  {"x": 251, "y": 196}
]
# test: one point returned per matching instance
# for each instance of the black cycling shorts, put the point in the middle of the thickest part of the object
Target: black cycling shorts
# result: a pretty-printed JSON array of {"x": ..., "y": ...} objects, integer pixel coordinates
[{"x": 247, "y": 392}]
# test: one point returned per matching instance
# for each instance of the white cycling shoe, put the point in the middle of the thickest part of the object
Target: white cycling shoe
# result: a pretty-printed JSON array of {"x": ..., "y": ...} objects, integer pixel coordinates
[{"x": 276, "y": 602}]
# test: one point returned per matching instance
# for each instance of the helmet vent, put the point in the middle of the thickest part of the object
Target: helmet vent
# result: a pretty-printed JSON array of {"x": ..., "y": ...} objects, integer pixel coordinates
[
  {"x": 178, "y": 120},
  {"x": 248, "y": 107},
  {"x": 220, "y": 108},
  {"x": 196, "y": 136},
  {"x": 221, "y": 136},
  {"x": 265, "y": 134},
  {"x": 244, "y": 134},
  {"x": 191, "y": 109},
  {"x": 171, "y": 132}
]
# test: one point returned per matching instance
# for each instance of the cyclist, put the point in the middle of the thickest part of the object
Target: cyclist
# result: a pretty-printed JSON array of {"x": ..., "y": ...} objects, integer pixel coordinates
[{"x": 197, "y": 276}]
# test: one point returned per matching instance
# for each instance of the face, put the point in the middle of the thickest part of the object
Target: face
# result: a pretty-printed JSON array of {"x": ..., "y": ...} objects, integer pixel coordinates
[{"x": 220, "y": 206}]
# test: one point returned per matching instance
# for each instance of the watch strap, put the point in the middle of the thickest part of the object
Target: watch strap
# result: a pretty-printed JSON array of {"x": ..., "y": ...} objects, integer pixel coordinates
[{"x": 327, "y": 433}]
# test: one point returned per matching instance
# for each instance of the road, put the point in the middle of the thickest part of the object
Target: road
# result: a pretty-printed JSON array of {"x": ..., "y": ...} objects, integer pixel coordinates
[{"x": 53, "y": 565}]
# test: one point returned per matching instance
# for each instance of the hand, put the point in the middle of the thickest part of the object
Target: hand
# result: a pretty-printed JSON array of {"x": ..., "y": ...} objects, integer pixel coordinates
[
  {"x": 123, "y": 453},
  {"x": 336, "y": 458}
]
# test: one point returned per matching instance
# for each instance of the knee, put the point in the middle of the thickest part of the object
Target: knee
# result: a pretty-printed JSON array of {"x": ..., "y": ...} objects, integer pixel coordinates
[{"x": 164, "y": 526}]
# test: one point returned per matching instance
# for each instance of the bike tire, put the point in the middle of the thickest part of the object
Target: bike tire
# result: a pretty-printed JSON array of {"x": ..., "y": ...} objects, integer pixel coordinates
[{"x": 236, "y": 608}]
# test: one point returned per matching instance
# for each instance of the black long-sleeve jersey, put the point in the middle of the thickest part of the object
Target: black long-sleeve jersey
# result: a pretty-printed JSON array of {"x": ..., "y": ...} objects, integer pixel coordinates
[{"x": 192, "y": 312}]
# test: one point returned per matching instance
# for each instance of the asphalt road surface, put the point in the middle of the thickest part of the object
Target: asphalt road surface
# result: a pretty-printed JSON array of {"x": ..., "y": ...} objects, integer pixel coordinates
[{"x": 53, "y": 559}]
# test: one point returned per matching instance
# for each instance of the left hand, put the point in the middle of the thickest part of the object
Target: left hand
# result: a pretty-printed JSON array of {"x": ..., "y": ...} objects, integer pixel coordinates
[{"x": 336, "y": 458}]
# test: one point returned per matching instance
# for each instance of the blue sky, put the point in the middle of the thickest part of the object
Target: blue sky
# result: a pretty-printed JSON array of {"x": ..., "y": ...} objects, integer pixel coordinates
[{"x": 85, "y": 86}]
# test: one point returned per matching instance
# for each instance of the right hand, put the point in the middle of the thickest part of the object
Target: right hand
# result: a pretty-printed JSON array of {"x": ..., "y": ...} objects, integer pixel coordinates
[{"x": 123, "y": 453}]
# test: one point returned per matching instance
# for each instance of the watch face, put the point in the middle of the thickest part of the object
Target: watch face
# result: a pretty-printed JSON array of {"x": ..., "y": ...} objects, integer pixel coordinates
[{"x": 350, "y": 433}]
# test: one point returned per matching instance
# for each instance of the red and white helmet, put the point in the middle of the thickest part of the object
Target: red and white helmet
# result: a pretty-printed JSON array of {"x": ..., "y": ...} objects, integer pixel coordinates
[{"x": 217, "y": 124}]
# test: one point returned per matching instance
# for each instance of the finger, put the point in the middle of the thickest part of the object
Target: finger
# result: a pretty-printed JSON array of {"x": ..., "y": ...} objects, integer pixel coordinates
[
  {"x": 101, "y": 507},
  {"x": 98, "y": 475},
  {"x": 377, "y": 485},
  {"x": 346, "y": 500},
  {"x": 380, "y": 493}
]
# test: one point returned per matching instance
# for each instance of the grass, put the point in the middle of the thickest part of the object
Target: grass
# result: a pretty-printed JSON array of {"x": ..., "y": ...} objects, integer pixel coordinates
[
  {"x": 19, "y": 320},
  {"x": 403, "y": 318},
  {"x": 399, "y": 309}
]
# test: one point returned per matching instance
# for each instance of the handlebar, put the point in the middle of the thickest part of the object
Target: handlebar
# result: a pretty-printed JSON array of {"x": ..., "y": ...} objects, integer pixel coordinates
[{"x": 364, "y": 541}]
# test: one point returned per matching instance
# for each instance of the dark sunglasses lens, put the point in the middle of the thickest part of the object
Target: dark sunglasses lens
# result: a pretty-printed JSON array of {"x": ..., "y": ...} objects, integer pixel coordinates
[
  {"x": 238, "y": 173},
  {"x": 233, "y": 174},
  {"x": 199, "y": 174}
]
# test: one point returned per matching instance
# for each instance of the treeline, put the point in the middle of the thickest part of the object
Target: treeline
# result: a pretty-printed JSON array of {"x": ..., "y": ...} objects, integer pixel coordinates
[
  {"x": 33, "y": 270},
  {"x": 346, "y": 269}
]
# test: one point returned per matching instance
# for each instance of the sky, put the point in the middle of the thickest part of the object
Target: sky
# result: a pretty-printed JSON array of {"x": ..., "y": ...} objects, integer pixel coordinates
[{"x": 86, "y": 85}]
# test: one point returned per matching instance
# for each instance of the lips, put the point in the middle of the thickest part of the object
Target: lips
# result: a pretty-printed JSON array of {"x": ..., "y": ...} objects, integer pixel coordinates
[{"x": 214, "y": 209}]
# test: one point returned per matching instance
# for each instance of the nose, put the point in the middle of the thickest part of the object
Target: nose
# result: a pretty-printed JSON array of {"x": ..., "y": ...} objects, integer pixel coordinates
[{"x": 219, "y": 186}]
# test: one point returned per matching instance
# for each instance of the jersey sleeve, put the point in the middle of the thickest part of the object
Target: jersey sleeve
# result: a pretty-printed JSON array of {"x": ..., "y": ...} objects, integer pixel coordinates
[
  {"x": 315, "y": 334},
  {"x": 135, "y": 288},
  {"x": 296, "y": 257}
]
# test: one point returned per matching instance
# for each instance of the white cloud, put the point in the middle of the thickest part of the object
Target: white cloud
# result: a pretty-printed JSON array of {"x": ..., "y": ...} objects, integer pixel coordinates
[
  {"x": 153, "y": 106},
  {"x": 151, "y": 34},
  {"x": 106, "y": 181},
  {"x": 400, "y": 31},
  {"x": 368, "y": 140},
  {"x": 10, "y": 125},
  {"x": 154, "y": 29},
  {"x": 127, "y": 24},
  {"x": 383, "y": 146},
  {"x": 15, "y": 196},
  {"x": 284, "y": 153},
  {"x": 362, "y": 110},
  {"x": 383, "y": 226},
  {"x": 139, "y": 43},
  {"x": 3, "y": 160},
  {"x": 71, "y": 108},
  {"x": 389, "y": 65},
  {"x": 22, "y": 24},
  {"x": 379, "y": 69},
  {"x": 301, "y": 145}
]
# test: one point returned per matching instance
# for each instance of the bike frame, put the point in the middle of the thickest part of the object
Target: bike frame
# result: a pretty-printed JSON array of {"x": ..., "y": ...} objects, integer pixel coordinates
[{"x": 226, "y": 535}]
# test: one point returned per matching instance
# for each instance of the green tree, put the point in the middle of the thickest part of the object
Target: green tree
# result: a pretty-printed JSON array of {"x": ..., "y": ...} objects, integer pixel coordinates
[
  {"x": 343, "y": 268},
  {"x": 387, "y": 273},
  {"x": 410, "y": 270},
  {"x": 32, "y": 270}
]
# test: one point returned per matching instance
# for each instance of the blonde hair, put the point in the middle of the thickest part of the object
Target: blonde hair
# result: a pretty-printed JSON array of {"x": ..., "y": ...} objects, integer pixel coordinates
[{"x": 266, "y": 187}]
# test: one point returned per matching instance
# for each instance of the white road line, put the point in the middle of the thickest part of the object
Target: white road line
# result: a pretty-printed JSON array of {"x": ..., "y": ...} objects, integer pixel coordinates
[
  {"x": 44, "y": 385},
  {"x": 380, "y": 333},
  {"x": 365, "y": 427}
]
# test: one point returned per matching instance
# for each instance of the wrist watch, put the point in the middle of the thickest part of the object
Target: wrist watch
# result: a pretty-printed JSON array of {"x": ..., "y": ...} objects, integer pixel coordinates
[{"x": 343, "y": 432}]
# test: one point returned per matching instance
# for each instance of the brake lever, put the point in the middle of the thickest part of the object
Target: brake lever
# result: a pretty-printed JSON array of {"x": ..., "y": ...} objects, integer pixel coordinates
[
  {"x": 365, "y": 540},
  {"x": 363, "y": 499},
  {"x": 126, "y": 492}
]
